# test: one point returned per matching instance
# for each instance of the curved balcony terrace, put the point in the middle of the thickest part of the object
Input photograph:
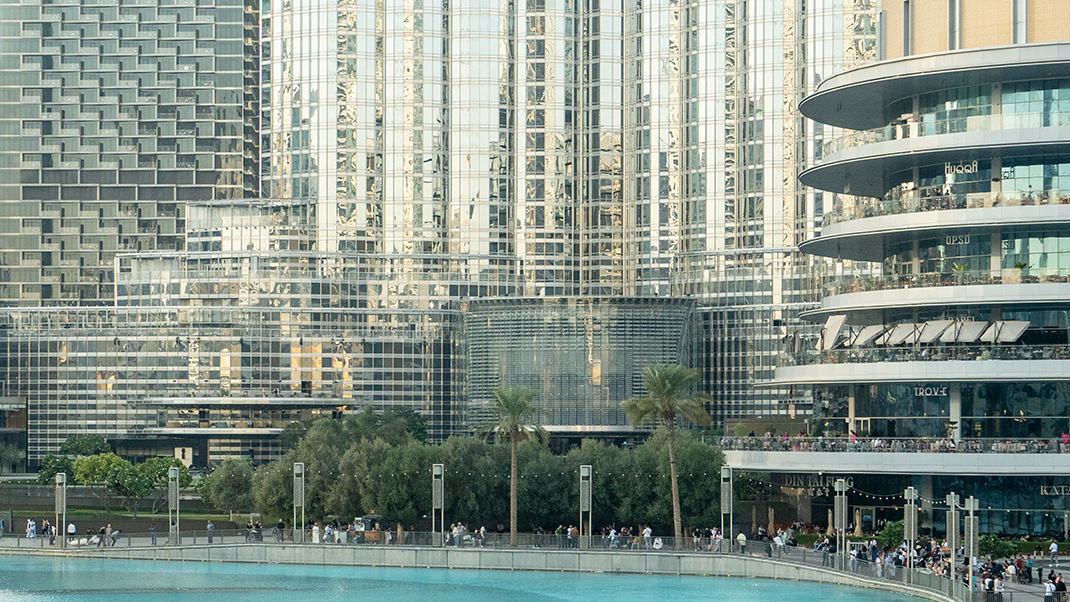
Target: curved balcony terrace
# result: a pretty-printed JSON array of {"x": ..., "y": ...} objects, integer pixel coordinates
[
  {"x": 949, "y": 363},
  {"x": 929, "y": 353},
  {"x": 896, "y": 292},
  {"x": 946, "y": 125},
  {"x": 894, "y": 445},
  {"x": 864, "y": 238},
  {"x": 866, "y": 170},
  {"x": 858, "y": 98},
  {"x": 1009, "y": 276},
  {"x": 935, "y": 201}
]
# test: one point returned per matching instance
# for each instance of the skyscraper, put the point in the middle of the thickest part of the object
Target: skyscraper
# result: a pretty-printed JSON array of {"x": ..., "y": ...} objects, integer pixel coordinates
[{"x": 412, "y": 156}]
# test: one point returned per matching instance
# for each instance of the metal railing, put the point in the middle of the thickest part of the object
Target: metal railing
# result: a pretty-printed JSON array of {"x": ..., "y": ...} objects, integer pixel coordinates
[
  {"x": 894, "y": 445},
  {"x": 930, "y": 126},
  {"x": 916, "y": 201},
  {"x": 924, "y": 578},
  {"x": 859, "y": 284},
  {"x": 928, "y": 353}
]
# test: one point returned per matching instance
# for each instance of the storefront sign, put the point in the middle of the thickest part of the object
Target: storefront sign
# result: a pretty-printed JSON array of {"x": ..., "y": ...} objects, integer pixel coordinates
[
  {"x": 1055, "y": 490},
  {"x": 957, "y": 239},
  {"x": 806, "y": 481},
  {"x": 960, "y": 167},
  {"x": 930, "y": 391}
]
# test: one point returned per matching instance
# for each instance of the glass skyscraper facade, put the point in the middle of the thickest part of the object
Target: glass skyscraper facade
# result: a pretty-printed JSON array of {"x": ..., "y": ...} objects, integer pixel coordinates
[{"x": 317, "y": 190}]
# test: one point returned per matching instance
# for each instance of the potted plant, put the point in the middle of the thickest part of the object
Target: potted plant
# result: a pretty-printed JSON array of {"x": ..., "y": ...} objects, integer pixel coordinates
[{"x": 1014, "y": 275}]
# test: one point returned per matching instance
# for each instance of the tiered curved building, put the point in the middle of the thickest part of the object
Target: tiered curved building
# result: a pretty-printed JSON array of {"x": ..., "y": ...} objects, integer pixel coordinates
[
  {"x": 960, "y": 172},
  {"x": 949, "y": 166}
]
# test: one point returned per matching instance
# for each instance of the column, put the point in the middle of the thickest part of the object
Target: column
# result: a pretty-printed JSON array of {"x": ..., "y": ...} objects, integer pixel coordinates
[
  {"x": 851, "y": 409},
  {"x": 954, "y": 410}
]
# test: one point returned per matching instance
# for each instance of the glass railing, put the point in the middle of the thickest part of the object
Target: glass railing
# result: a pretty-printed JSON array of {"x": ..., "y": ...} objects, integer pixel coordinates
[
  {"x": 894, "y": 445},
  {"x": 928, "y": 353},
  {"x": 860, "y": 284},
  {"x": 934, "y": 127},
  {"x": 917, "y": 202}
]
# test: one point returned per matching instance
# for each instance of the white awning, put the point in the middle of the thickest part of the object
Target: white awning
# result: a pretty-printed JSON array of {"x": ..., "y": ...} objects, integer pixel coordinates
[
  {"x": 1012, "y": 331},
  {"x": 867, "y": 334},
  {"x": 831, "y": 332},
  {"x": 904, "y": 333},
  {"x": 969, "y": 331},
  {"x": 1004, "y": 331},
  {"x": 933, "y": 329}
]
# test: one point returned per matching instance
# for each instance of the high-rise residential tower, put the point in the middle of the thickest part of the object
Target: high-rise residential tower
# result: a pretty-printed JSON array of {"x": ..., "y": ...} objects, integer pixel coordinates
[{"x": 578, "y": 167}]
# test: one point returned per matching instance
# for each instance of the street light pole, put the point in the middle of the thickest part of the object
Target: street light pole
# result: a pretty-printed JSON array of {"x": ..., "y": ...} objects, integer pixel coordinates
[
  {"x": 586, "y": 472},
  {"x": 172, "y": 506},
  {"x": 971, "y": 537},
  {"x": 840, "y": 520},
  {"x": 726, "y": 505},
  {"x": 910, "y": 527},
  {"x": 438, "y": 504},
  {"x": 61, "y": 507},
  {"x": 299, "y": 501},
  {"x": 952, "y": 528}
]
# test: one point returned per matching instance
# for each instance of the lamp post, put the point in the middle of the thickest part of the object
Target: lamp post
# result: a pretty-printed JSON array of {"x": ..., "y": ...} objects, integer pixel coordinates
[
  {"x": 586, "y": 471},
  {"x": 726, "y": 505},
  {"x": 971, "y": 538},
  {"x": 438, "y": 503},
  {"x": 910, "y": 527},
  {"x": 61, "y": 507},
  {"x": 952, "y": 528},
  {"x": 172, "y": 506},
  {"x": 299, "y": 502},
  {"x": 840, "y": 520}
]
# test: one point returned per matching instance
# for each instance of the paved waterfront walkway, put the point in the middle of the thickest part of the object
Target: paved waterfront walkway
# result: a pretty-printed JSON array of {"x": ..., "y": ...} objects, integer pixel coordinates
[{"x": 143, "y": 545}]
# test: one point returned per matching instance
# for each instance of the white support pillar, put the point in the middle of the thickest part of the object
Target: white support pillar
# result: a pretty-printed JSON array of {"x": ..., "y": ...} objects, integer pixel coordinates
[
  {"x": 954, "y": 411},
  {"x": 851, "y": 426}
]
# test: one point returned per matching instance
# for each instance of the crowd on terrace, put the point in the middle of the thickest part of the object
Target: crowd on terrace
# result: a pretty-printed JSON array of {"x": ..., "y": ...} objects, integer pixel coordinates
[{"x": 800, "y": 442}]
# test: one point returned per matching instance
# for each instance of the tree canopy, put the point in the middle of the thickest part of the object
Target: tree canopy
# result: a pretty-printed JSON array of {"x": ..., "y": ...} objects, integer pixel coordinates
[{"x": 85, "y": 445}]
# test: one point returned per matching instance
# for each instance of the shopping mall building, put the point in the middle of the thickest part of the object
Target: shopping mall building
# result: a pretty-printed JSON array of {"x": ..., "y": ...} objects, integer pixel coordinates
[{"x": 944, "y": 361}]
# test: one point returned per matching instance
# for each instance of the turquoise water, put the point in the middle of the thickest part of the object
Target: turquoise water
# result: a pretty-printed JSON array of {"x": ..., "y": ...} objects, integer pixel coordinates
[{"x": 30, "y": 579}]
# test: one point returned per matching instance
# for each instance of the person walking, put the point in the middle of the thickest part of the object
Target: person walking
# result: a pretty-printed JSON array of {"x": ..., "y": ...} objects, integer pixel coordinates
[
  {"x": 152, "y": 533},
  {"x": 72, "y": 532},
  {"x": 647, "y": 532},
  {"x": 211, "y": 530},
  {"x": 1053, "y": 551},
  {"x": 741, "y": 539}
]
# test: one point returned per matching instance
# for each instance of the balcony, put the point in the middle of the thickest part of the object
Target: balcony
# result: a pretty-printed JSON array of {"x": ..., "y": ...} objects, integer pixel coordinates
[
  {"x": 935, "y": 200},
  {"x": 880, "y": 293},
  {"x": 866, "y": 170},
  {"x": 855, "y": 98}
]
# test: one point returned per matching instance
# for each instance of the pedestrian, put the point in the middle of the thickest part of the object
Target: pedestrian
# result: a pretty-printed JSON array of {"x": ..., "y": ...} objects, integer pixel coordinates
[
  {"x": 741, "y": 539},
  {"x": 152, "y": 533},
  {"x": 114, "y": 537},
  {"x": 107, "y": 534},
  {"x": 211, "y": 530},
  {"x": 72, "y": 532},
  {"x": 647, "y": 532},
  {"x": 1053, "y": 550}
]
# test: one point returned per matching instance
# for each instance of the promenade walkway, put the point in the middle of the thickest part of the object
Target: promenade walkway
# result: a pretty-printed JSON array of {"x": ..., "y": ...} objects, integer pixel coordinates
[{"x": 532, "y": 554}]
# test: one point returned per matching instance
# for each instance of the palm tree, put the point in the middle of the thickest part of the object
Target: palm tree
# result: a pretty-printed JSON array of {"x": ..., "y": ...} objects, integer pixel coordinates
[
  {"x": 512, "y": 416},
  {"x": 669, "y": 396}
]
